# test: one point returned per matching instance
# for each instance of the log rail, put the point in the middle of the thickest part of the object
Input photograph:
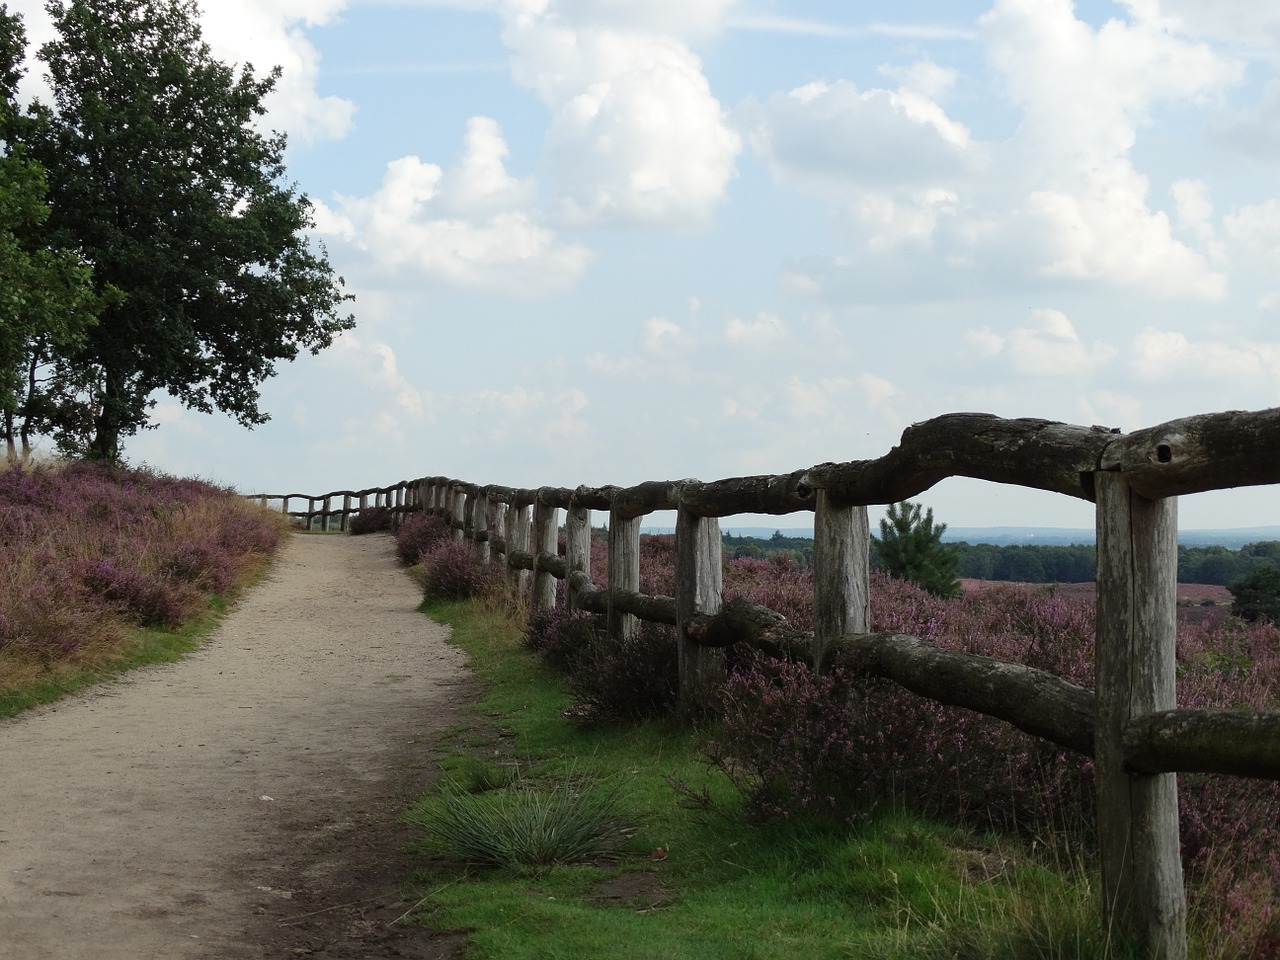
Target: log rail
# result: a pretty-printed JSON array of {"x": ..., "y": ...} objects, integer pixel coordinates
[{"x": 1129, "y": 724}]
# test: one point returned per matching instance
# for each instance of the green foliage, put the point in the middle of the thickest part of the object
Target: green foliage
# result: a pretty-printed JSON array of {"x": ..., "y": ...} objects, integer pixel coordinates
[
  {"x": 911, "y": 548},
  {"x": 47, "y": 301},
  {"x": 158, "y": 175},
  {"x": 1257, "y": 595}
]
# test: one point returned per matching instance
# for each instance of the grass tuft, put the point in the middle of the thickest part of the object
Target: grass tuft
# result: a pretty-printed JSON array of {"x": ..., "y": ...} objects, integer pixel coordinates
[{"x": 527, "y": 824}]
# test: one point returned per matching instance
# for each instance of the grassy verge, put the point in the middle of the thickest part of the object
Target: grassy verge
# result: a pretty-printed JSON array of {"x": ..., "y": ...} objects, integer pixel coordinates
[{"x": 694, "y": 880}]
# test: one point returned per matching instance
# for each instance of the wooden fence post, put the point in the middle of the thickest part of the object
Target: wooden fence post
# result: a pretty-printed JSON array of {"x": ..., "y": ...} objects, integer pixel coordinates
[
  {"x": 577, "y": 525},
  {"x": 1142, "y": 886},
  {"x": 624, "y": 569},
  {"x": 841, "y": 570},
  {"x": 499, "y": 531},
  {"x": 480, "y": 526},
  {"x": 698, "y": 590},
  {"x": 457, "y": 514},
  {"x": 545, "y": 542},
  {"x": 518, "y": 536}
]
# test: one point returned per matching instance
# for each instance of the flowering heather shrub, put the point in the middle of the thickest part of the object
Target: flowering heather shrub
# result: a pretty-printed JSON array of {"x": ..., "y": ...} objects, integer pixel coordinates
[
  {"x": 87, "y": 549},
  {"x": 454, "y": 573},
  {"x": 617, "y": 681},
  {"x": 373, "y": 520},
  {"x": 560, "y": 636},
  {"x": 418, "y": 535}
]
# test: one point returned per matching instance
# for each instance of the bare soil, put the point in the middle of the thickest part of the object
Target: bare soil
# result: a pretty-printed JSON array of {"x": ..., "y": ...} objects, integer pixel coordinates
[{"x": 244, "y": 803}]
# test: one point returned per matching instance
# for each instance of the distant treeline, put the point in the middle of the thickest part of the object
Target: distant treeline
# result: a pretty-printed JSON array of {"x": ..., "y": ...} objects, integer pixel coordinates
[{"x": 1034, "y": 563}]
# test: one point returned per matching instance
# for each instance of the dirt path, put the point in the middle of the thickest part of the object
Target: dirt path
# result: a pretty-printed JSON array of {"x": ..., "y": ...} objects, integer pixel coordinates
[{"x": 238, "y": 804}]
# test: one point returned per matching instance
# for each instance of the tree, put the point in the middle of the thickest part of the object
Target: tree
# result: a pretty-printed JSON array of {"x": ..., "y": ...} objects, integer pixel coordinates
[
  {"x": 1257, "y": 595},
  {"x": 911, "y": 548},
  {"x": 47, "y": 301},
  {"x": 159, "y": 176}
]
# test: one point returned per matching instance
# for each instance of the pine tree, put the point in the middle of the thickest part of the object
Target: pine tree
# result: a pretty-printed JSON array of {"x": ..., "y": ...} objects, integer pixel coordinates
[{"x": 911, "y": 548}]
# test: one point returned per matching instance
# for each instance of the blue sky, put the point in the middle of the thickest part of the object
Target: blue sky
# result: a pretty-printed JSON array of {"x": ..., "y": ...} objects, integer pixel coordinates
[{"x": 607, "y": 241}]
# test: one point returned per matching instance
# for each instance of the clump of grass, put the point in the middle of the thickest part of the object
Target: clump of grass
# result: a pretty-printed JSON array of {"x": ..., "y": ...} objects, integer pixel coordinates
[{"x": 527, "y": 825}]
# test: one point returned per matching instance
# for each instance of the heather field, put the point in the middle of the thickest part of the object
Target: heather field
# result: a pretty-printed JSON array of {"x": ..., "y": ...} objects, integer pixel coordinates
[
  {"x": 795, "y": 746},
  {"x": 104, "y": 566}
]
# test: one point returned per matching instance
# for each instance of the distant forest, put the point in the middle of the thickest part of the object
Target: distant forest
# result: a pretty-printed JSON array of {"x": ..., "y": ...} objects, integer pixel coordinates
[{"x": 1027, "y": 563}]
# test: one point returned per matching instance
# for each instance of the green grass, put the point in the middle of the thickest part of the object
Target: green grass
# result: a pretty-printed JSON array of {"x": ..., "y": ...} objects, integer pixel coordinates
[{"x": 693, "y": 882}]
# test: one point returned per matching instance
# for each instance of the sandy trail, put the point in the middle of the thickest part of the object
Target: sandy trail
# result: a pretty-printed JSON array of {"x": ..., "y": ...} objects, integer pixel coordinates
[{"x": 240, "y": 803}]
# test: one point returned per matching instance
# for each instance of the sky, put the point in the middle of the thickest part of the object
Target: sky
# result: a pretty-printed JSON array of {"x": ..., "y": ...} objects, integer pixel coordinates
[{"x": 609, "y": 241}]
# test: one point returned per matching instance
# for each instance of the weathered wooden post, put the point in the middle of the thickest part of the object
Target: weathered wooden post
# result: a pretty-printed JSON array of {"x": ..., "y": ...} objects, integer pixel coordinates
[
  {"x": 577, "y": 525},
  {"x": 545, "y": 543},
  {"x": 699, "y": 584},
  {"x": 480, "y": 526},
  {"x": 1142, "y": 884},
  {"x": 519, "y": 527},
  {"x": 499, "y": 522},
  {"x": 346, "y": 511},
  {"x": 841, "y": 572},
  {"x": 457, "y": 515},
  {"x": 624, "y": 569}
]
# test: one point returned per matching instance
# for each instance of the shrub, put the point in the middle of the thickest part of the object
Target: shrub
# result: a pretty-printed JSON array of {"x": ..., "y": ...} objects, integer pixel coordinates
[
  {"x": 419, "y": 534},
  {"x": 372, "y": 520},
  {"x": 452, "y": 572},
  {"x": 561, "y": 637},
  {"x": 618, "y": 681}
]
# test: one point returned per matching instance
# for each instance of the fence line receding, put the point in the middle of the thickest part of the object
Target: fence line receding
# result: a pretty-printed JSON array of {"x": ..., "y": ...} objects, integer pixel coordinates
[{"x": 1129, "y": 724}]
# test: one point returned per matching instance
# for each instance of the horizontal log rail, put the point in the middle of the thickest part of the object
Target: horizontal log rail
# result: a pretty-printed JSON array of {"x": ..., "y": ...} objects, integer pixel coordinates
[{"x": 1125, "y": 724}]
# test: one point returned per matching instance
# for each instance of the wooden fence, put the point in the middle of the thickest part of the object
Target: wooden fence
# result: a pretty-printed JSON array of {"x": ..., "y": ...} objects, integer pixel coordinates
[
  {"x": 1129, "y": 723},
  {"x": 322, "y": 511}
]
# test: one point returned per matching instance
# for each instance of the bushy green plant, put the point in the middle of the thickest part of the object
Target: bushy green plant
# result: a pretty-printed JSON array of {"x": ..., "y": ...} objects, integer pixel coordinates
[
  {"x": 1256, "y": 596},
  {"x": 911, "y": 548},
  {"x": 527, "y": 825}
]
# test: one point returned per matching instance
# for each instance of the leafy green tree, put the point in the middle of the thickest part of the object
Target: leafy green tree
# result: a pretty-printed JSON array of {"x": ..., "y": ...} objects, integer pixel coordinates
[
  {"x": 911, "y": 548},
  {"x": 158, "y": 174},
  {"x": 47, "y": 301},
  {"x": 1257, "y": 595}
]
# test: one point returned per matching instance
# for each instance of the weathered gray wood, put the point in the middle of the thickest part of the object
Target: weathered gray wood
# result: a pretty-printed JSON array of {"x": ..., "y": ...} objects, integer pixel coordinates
[
  {"x": 624, "y": 571},
  {"x": 645, "y": 498},
  {"x": 1211, "y": 451},
  {"x": 841, "y": 572},
  {"x": 458, "y": 511},
  {"x": 1243, "y": 743},
  {"x": 698, "y": 590},
  {"x": 498, "y": 538},
  {"x": 762, "y": 494},
  {"x": 544, "y": 544},
  {"x": 1142, "y": 886},
  {"x": 480, "y": 527},
  {"x": 518, "y": 541},
  {"x": 577, "y": 525},
  {"x": 1032, "y": 453},
  {"x": 744, "y": 621},
  {"x": 1032, "y": 700},
  {"x": 656, "y": 609}
]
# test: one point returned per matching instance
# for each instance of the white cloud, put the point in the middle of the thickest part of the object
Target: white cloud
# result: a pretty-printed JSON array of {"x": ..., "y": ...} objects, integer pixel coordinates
[
  {"x": 765, "y": 330},
  {"x": 636, "y": 135},
  {"x": 1164, "y": 355},
  {"x": 932, "y": 211},
  {"x": 472, "y": 226},
  {"x": 266, "y": 34},
  {"x": 1048, "y": 346}
]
